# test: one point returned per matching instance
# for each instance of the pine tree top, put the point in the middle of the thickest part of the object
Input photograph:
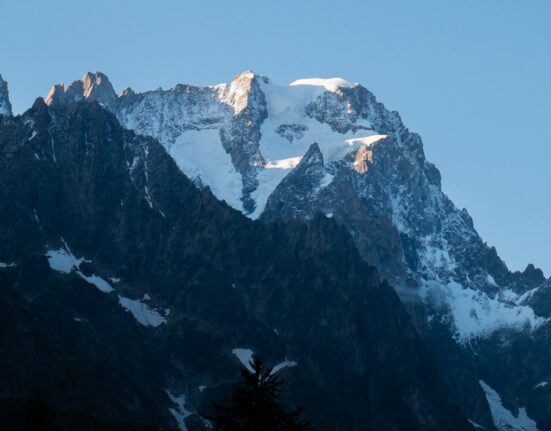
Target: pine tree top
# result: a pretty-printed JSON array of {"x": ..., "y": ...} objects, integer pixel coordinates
[{"x": 255, "y": 404}]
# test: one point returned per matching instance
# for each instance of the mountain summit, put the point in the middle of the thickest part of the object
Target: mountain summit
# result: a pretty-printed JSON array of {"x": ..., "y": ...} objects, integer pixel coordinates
[{"x": 92, "y": 87}]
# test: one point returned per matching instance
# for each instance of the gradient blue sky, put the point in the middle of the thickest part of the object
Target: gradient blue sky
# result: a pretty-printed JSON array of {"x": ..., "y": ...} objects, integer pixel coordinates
[{"x": 471, "y": 76}]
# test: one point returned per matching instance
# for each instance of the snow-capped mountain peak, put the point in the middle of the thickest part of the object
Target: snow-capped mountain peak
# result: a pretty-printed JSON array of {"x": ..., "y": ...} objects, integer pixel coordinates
[
  {"x": 327, "y": 146},
  {"x": 241, "y": 91},
  {"x": 247, "y": 141},
  {"x": 5, "y": 105}
]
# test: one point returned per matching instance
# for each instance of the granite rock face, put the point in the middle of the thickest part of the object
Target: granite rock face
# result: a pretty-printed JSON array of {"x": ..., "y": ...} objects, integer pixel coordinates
[{"x": 93, "y": 87}]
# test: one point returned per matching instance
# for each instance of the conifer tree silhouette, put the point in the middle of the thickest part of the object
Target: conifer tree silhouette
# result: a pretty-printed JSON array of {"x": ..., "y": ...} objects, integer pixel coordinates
[
  {"x": 255, "y": 405},
  {"x": 39, "y": 416}
]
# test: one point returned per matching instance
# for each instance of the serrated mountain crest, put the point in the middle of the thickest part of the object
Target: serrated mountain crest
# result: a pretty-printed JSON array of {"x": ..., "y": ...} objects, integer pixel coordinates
[
  {"x": 92, "y": 87},
  {"x": 243, "y": 138}
]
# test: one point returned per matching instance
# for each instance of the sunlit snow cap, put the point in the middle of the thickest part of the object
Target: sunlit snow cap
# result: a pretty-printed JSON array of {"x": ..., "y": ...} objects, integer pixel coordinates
[{"x": 330, "y": 84}]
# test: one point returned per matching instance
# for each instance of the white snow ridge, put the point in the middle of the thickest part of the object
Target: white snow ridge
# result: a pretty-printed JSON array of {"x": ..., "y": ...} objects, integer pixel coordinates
[{"x": 330, "y": 84}]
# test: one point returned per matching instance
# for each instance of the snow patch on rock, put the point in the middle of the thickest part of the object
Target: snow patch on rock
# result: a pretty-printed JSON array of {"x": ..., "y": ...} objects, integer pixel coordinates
[
  {"x": 503, "y": 419},
  {"x": 541, "y": 385},
  {"x": 180, "y": 412},
  {"x": 477, "y": 426},
  {"x": 245, "y": 356},
  {"x": 97, "y": 281},
  {"x": 286, "y": 363},
  {"x": 64, "y": 261},
  {"x": 475, "y": 313},
  {"x": 491, "y": 280},
  {"x": 145, "y": 315}
]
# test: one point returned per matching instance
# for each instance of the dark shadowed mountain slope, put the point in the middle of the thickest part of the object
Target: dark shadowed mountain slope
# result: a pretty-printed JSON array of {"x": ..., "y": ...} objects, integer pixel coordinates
[{"x": 129, "y": 293}]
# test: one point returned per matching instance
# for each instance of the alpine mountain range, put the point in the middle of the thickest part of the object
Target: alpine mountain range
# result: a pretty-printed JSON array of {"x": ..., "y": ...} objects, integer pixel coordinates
[{"x": 153, "y": 242}]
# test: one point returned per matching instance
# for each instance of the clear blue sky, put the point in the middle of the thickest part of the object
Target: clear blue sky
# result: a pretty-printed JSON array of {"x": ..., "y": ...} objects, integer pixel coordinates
[{"x": 473, "y": 77}]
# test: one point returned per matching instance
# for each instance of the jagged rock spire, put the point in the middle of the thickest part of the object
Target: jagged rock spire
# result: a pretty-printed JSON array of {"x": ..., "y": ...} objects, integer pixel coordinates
[
  {"x": 93, "y": 86},
  {"x": 5, "y": 105},
  {"x": 243, "y": 90},
  {"x": 98, "y": 87}
]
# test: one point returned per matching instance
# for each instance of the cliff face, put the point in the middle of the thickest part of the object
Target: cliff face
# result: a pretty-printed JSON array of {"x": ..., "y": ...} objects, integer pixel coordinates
[{"x": 5, "y": 105}]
